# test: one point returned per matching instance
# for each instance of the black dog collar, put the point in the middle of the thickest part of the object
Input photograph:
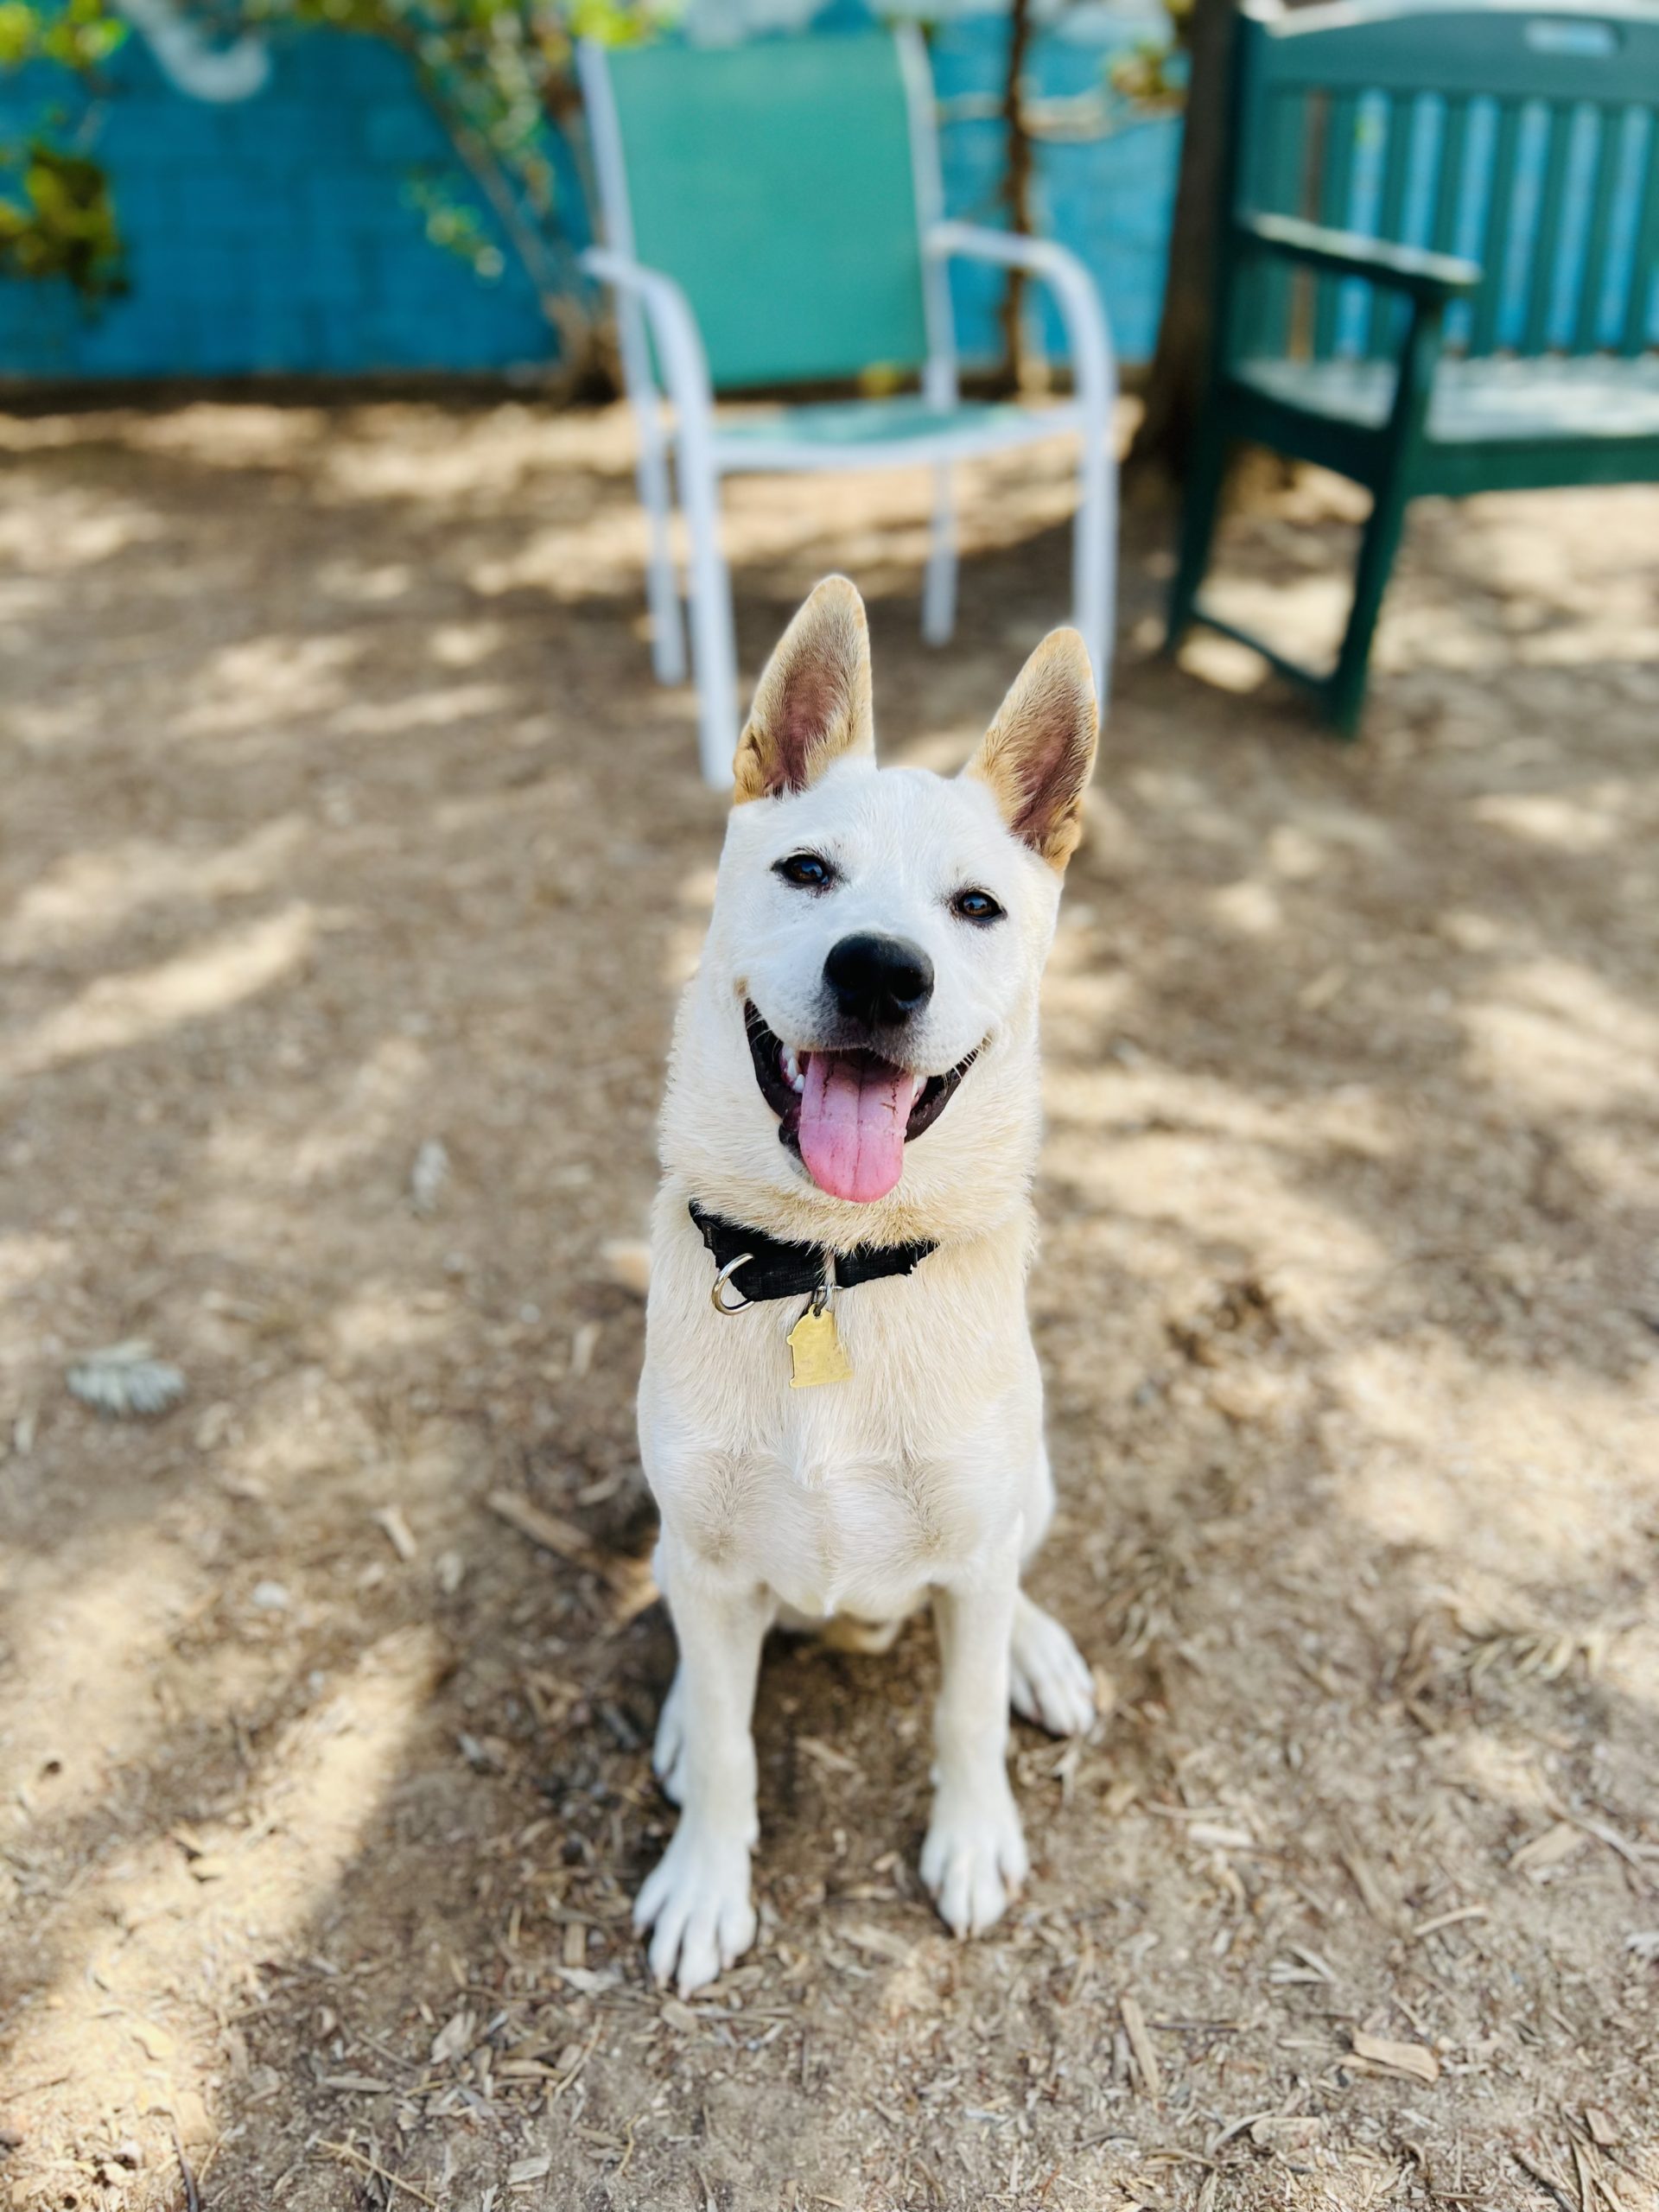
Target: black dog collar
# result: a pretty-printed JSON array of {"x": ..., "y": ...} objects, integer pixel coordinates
[{"x": 774, "y": 1269}]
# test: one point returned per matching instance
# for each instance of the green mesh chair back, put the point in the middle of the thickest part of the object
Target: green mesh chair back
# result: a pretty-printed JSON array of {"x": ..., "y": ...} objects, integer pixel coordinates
[{"x": 773, "y": 181}]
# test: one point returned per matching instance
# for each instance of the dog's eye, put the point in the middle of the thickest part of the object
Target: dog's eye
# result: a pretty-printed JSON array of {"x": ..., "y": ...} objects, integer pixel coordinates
[
  {"x": 975, "y": 906},
  {"x": 806, "y": 871}
]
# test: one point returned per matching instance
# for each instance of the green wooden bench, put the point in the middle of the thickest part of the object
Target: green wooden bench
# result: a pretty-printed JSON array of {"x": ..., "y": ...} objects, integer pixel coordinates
[{"x": 1441, "y": 232}]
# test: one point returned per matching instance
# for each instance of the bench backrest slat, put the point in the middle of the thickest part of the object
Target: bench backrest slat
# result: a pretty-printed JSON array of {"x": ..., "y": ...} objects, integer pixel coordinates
[
  {"x": 1523, "y": 132},
  {"x": 1638, "y": 306},
  {"x": 1594, "y": 273},
  {"x": 1338, "y": 125},
  {"x": 1496, "y": 229},
  {"x": 1547, "y": 232}
]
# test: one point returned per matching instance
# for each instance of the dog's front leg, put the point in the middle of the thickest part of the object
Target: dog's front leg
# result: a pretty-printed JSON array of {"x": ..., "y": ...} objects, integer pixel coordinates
[
  {"x": 974, "y": 1859},
  {"x": 696, "y": 1899}
]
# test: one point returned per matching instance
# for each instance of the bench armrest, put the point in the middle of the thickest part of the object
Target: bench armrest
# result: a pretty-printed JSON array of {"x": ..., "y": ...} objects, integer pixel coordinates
[{"x": 1425, "y": 277}]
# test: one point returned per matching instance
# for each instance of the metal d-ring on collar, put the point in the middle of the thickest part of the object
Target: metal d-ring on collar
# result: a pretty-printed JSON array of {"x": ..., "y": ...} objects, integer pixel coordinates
[{"x": 719, "y": 1282}]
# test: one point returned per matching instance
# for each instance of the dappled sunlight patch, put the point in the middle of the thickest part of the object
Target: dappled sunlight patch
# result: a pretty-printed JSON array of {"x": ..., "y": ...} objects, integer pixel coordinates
[
  {"x": 1301, "y": 614},
  {"x": 366, "y": 584},
  {"x": 436, "y": 707},
  {"x": 1556, "y": 1034},
  {"x": 84, "y": 1641},
  {"x": 28, "y": 1258},
  {"x": 230, "y": 434},
  {"x": 62, "y": 528},
  {"x": 94, "y": 891},
  {"x": 1214, "y": 1190},
  {"x": 1249, "y": 908},
  {"x": 378, "y": 1317},
  {"x": 373, "y": 1107},
  {"x": 1542, "y": 818},
  {"x": 118, "y": 1012},
  {"x": 1191, "y": 807},
  {"x": 592, "y": 556},
  {"x": 1524, "y": 1477},
  {"x": 156, "y": 1951},
  {"x": 261, "y": 680},
  {"x": 465, "y": 645},
  {"x": 435, "y": 457},
  {"x": 1223, "y": 662}
]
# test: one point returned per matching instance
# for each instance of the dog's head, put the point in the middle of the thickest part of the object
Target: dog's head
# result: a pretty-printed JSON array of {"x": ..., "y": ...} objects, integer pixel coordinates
[{"x": 861, "y": 1038}]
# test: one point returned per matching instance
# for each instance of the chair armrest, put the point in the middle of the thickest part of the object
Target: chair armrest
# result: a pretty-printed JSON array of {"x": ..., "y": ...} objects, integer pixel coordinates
[
  {"x": 1425, "y": 278},
  {"x": 679, "y": 348},
  {"x": 1094, "y": 365},
  {"x": 667, "y": 309}
]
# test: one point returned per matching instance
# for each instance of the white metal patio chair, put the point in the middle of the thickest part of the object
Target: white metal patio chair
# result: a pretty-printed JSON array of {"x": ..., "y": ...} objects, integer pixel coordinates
[{"x": 773, "y": 214}]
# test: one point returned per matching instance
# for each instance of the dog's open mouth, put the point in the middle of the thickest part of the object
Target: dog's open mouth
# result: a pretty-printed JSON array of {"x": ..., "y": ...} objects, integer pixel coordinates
[{"x": 849, "y": 1115}]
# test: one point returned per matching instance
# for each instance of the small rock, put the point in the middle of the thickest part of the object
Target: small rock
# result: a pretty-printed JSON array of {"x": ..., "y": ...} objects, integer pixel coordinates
[
  {"x": 270, "y": 1597},
  {"x": 126, "y": 1378},
  {"x": 427, "y": 1176},
  {"x": 1286, "y": 2131}
]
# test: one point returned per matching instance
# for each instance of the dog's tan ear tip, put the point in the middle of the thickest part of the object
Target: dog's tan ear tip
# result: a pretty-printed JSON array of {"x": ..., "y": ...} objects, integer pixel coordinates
[
  {"x": 838, "y": 595},
  {"x": 1065, "y": 648}
]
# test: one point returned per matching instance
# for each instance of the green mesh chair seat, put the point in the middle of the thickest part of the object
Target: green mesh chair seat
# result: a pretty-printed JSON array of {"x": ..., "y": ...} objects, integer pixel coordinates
[{"x": 844, "y": 434}]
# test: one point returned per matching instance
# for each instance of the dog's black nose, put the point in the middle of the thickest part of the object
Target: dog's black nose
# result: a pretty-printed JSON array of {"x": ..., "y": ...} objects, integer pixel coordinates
[{"x": 881, "y": 980}]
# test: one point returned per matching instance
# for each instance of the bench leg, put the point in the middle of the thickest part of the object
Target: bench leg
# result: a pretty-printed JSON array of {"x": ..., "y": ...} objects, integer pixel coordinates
[
  {"x": 1206, "y": 471},
  {"x": 1346, "y": 691}
]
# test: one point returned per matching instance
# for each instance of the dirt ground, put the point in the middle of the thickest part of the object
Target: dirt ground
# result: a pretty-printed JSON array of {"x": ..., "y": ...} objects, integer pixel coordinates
[{"x": 342, "y": 820}]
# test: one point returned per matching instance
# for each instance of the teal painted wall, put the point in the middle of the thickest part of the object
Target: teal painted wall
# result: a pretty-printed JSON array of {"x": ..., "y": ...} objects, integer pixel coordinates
[{"x": 276, "y": 235}]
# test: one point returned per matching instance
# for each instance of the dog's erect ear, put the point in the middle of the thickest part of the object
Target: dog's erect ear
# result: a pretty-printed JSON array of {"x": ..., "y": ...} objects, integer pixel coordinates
[
  {"x": 1037, "y": 754},
  {"x": 812, "y": 704}
]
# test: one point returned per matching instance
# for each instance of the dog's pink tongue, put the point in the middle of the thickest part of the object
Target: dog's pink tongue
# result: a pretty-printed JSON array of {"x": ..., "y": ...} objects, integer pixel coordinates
[{"x": 852, "y": 1116}]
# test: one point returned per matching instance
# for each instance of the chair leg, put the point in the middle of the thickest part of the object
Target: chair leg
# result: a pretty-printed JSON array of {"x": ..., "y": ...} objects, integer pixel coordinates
[
  {"x": 662, "y": 586},
  {"x": 939, "y": 585},
  {"x": 714, "y": 649},
  {"x": 1206, "y": 469},
  {"x": 1346, "y": 691},
  {"x": 1094, "y": 554}
]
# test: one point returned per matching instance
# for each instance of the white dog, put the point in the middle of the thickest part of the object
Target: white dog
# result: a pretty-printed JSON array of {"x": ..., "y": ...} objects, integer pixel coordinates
[{"x": 841, "y": 1411}]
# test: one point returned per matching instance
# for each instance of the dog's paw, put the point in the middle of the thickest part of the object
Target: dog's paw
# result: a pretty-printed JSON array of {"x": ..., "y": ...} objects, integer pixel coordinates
[
  {"x": 1049, "y": 1681},
  {"x": 695, "y": 1901},
  {"x": 973, "y": 1860},
  {"x": 668, "y": 1753}
]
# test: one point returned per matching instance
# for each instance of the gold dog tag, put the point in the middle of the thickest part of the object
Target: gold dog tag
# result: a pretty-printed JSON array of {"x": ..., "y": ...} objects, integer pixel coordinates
[{"x": 815, "y": 1348}]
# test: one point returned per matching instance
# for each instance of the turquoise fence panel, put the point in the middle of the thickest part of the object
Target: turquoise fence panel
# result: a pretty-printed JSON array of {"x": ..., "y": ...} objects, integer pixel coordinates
[
  {"x": 273, "y": 235},
  {"x": 1109, "y": 198}
]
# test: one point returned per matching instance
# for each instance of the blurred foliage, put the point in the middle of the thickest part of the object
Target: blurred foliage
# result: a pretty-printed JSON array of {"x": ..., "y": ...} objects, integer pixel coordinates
[
  {"x": 499, "y": 76},
  {"x": 1153, "y": 73},
  {"x": 57, "y": 218},
  {"x": 63, "y": 222},
  {"x": 77, "y": 36}
]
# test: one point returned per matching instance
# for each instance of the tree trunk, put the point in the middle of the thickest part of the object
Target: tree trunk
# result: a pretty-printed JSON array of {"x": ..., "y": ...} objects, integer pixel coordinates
[
  {"x": 1016, "y": 184},
  {"x": 1175, "y": 387}
]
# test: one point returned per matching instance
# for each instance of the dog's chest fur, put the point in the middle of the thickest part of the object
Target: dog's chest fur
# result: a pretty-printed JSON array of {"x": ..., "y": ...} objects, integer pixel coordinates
[{"x": 850, "y": 1496}]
